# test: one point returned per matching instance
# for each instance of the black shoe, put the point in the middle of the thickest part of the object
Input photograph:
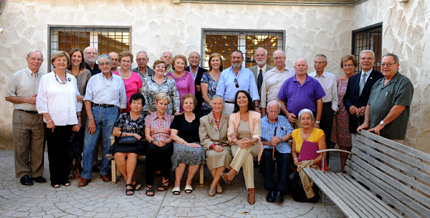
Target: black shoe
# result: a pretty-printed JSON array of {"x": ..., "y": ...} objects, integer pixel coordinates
[
  {"x": 96, "y": 169},
  {"x": 25, "y": 180},
  {"x": 279, "y": 197},
  {"x": 39, "y": 179},
  {"x": 270, "y": 196}
]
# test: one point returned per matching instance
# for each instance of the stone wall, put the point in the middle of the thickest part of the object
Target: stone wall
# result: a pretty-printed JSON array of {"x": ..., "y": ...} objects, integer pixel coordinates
[
  {"x": 159, "y": 25},
  {"x": 406, "y": 32}
]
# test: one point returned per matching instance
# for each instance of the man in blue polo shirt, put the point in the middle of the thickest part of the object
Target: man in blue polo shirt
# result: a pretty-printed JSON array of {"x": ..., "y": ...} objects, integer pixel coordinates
[{"x": 299, "y": 92}]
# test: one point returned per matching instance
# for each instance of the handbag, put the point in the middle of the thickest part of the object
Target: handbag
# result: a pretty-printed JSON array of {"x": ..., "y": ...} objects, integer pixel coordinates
[{"x": 127, "y": 140}]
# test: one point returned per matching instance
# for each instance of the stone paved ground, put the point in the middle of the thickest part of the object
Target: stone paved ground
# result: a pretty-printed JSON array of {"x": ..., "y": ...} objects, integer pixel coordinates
[{"x": 101, "y": 199}]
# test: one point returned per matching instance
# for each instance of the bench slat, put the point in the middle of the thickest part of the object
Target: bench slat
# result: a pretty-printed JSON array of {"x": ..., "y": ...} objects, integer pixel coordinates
[
  {"x": 409, "y": 159},
  {"x": 336, "y": 199},
  {"x": 371, "y": 178},
  {"x": 362, "y": 202},
  {"x": 411, "y": 151},
  {"x": 401, "y": 175}
]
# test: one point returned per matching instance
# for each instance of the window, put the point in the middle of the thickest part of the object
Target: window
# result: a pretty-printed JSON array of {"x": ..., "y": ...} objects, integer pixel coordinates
[
  {"x": 368, "y": 38},
  {"x": 226, "y": 41},
  {"x": 105, "y": 39}
]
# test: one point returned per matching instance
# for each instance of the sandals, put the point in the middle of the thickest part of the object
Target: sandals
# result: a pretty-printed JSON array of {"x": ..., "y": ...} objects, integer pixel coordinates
[
  {"x": 55, "y": 185},
  {"x": 149, "y": 191},
  {"x": 137, "y": 186},
  {"x": 164, "y": 185},
  {"x": 188, "y": 189},
  {"x": 176, "y": 190},
  {"x": 67, "y": 183},
  {"x": 129, "y": 191}
]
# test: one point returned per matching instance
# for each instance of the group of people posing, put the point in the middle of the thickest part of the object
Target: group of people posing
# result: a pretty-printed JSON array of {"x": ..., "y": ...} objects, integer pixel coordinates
[{"x": 179, "y": 116}]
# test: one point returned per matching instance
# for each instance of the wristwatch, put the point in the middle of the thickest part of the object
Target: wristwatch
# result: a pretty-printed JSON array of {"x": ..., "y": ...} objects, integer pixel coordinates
[
  {"x": 382, "y": 123},
  {"x": 317, "y": 122}
]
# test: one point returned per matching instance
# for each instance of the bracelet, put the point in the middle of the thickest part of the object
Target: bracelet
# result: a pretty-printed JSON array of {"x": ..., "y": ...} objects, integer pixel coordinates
[
  {"x": 212, "y": 147},
  {"x": 317, "y": 122},
  {"x": 49, "y": 121}
]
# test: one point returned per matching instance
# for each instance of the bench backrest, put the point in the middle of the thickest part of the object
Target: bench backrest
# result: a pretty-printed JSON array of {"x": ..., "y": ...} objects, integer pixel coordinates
[{"x": 396, "y": 172}]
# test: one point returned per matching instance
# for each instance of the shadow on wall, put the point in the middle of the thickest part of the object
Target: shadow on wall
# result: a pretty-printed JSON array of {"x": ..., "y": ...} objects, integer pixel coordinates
[{"x": 6, "y": 137}]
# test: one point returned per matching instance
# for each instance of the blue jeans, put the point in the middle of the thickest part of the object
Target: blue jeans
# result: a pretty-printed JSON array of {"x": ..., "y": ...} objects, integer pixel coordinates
[
  {"x": 105, "y": 119},
  {"x": 282, "y": 162}
]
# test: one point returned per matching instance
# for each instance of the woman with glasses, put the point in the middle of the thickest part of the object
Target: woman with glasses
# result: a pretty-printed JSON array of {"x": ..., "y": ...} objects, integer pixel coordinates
[
  {"x": 132, "y": 80},
  {"x": 184, "y": 80}
]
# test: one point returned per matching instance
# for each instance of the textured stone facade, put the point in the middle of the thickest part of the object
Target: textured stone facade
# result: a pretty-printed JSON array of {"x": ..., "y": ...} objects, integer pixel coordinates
[{"x": 161, "y": 25}]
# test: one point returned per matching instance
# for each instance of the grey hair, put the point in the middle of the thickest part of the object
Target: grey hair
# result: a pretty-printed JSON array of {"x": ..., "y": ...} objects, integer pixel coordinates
[
  {"x": 265, "y": 51},
  {"x": 141, "y": 52},
  {"x": 274, "y": 102},
  {"x": 104, "y": 56},
  {"x": 217, "y": 96},
  {"x": 367, "y": 51},
  {"x": 85, "y": 50},
  {"x": 283, "y": 53},
  {"x": 194, "y": 52},
  {"x": 34, "y": 50},
  {"x": 305, "y": 110},
  {"x": 395, "y": 57},
  {"x": 321, "y": 55}
]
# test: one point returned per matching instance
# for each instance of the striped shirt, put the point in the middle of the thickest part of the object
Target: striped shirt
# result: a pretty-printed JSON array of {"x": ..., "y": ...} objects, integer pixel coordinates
[
  {"x": 160, "y": 127},
  {"x": 268, "y": 129}
]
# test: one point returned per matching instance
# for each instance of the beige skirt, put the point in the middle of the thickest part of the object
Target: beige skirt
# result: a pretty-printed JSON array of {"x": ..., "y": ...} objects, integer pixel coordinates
[{"x": 218, "y": 159}]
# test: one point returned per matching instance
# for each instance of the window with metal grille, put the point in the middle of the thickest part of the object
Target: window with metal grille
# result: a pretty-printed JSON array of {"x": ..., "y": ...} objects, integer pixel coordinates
[
  {"x": 368, "y": 38},
  {"x": 226, "y": 41},
  {"x": 105, "y": 39}
]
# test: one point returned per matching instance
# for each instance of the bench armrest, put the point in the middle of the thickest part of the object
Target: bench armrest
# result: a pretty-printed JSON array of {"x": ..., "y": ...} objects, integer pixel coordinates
[{"x": 333, "y": 149}]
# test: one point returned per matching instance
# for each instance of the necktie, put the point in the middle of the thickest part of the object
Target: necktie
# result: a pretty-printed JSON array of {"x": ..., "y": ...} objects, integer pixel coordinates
[
  {"x": 260, "y": 79},
  {"x": 362, "y": 82}
]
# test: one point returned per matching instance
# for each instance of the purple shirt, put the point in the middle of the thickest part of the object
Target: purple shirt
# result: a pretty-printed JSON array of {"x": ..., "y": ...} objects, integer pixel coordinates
[
  {"x": 184, "y": 84},
  {"x": 298, "y": 97}
]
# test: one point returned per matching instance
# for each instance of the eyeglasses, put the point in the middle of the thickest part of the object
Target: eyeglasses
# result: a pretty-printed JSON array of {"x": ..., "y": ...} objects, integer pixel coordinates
[
  {"x": 104, "y": 63},
  {"x": 348, "y": 65},
  {"x": 236, "y": 83}
]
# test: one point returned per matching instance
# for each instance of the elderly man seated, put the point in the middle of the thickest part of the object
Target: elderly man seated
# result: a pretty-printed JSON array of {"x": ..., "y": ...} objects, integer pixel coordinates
[{"x": 276, "y": 131}]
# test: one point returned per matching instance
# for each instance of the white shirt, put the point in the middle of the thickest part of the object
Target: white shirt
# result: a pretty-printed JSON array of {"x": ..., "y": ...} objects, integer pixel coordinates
[
  {"x": 24, "y": 83},
  {"x": 59, "y": 100},
  {"x": 272, "y": 83},
  {"x": 328, "y": 82},
  {"x": 106, "y": 91}
]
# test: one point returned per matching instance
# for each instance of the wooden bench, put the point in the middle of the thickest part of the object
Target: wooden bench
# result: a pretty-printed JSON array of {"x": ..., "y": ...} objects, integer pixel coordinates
[
  {"x": 116, "y": 174},
  {"x": 398, "y": 174}
]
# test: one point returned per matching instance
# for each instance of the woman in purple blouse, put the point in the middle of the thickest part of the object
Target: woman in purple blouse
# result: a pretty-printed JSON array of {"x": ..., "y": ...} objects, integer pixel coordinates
[{"x": 184, "y": 79}]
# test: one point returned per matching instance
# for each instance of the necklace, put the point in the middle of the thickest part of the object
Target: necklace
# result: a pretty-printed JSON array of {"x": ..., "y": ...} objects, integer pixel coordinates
[{"x": 59, "y": 81}]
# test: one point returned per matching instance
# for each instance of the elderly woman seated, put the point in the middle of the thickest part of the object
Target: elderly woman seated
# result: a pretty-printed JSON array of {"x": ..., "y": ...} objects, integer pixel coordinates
[
  {"x": 213, "y": 137},
  {"x": 129, "y": 126},
  {"x": 159, "y": 147},
  {"x": 306, "y": 141},
  {"x": 244, "y": 133},
  {"x": 186, "y": 148}
]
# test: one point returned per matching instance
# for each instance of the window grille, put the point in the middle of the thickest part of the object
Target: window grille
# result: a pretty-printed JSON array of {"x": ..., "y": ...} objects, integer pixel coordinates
[
  {"x": 105, "y": 39},
  {"x": 226, "y": 41},
  {"x": 368, "y": 38}
]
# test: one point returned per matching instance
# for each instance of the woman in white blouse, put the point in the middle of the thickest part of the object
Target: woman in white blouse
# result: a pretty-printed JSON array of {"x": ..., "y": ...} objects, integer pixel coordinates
[{"x": 57, "y": 102}]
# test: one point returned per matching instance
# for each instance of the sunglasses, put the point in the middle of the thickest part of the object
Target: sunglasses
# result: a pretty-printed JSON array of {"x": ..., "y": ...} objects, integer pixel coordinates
[{"x": 235, "y": 83}]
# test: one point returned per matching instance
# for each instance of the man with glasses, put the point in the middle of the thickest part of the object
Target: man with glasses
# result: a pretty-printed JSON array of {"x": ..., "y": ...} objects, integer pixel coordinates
[
  {"x": 358, "y": 89},
  {"x": 330, "y": 101},
  {"x": 142, "y": 65},
  {"x": 273, "y": 80},
  {"x": 90, "y": 55},
  {"x": 197, "y": 71},
  {"x": 28, "y": 127},
  {"x": 166, "y": 57},
  {"x": 115, "y": 59},
  {"x": 387, "y": 111},
  {"x": 259, "y": 70},
  {"x": 236, "y": 78}
]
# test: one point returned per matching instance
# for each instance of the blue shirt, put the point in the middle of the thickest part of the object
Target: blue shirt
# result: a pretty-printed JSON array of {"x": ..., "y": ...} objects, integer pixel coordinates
[
  {"x": 245, "y": 78},
  {"x": 284, "y": 128}
]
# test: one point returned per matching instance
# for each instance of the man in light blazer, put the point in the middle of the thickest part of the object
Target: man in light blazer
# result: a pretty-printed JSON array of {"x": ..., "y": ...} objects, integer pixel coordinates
[
  {"x": 197, "y": 71},
  {"x": 260, "y": 57},
  {"x": 355, "y": 100}
]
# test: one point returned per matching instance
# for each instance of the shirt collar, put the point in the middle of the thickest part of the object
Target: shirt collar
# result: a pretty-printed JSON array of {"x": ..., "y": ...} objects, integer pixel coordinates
[
  {"x": 262, "y": 68},
  {"x": 306, "y": 81},
  {"x": 155, "y": 116},
  {"x": 323, "y": 75},
  {"x": 367, "y": 72},
  {"x": 30, "y": 73},
  {"x": 103, "y": 75}
]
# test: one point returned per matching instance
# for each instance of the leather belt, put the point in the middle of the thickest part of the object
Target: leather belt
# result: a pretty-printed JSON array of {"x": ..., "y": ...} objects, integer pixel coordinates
[
  {"x": 102, "y": 105},
  {"x": 30, "y": 112},
  {"x": 230, "y": 102}
]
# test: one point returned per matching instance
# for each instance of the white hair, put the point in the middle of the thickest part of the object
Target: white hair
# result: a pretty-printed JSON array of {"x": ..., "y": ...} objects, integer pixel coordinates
[{"x": 305, "y": 110}]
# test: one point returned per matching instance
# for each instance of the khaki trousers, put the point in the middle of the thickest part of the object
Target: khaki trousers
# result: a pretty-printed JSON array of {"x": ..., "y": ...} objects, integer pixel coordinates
[
  {"x": 28, "y": 137},
  {"x": 245, "y": 158},
  {"x": 306, "y": 181}
]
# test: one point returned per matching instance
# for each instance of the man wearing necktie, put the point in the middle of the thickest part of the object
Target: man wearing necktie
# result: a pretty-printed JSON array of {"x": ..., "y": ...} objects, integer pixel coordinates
[
  {"x": 260, "y": 57},
  {"x": 358, "y": 89}
]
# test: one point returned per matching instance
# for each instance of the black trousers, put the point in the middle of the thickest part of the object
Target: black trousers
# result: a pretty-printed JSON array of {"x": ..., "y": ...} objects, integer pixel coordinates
[
  {"x": 58, "y": 153},
  {"x": 282, "y": 163},
  {"x": 158, "y": 158},
  {"x": 326, "y": 124}
]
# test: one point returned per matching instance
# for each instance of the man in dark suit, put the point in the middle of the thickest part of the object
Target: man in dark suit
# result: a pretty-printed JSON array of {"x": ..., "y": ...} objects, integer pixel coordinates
[
  {"x": 358, "y": 89},
  {"x": 260, "y": 57},
  {"x": 197, "y": 71}
]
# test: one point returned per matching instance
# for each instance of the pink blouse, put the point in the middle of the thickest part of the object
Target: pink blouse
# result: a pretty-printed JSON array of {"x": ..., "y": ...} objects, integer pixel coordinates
[
  {"x": 132, "y": 85},
  {"x": 184, "y": 84}
]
